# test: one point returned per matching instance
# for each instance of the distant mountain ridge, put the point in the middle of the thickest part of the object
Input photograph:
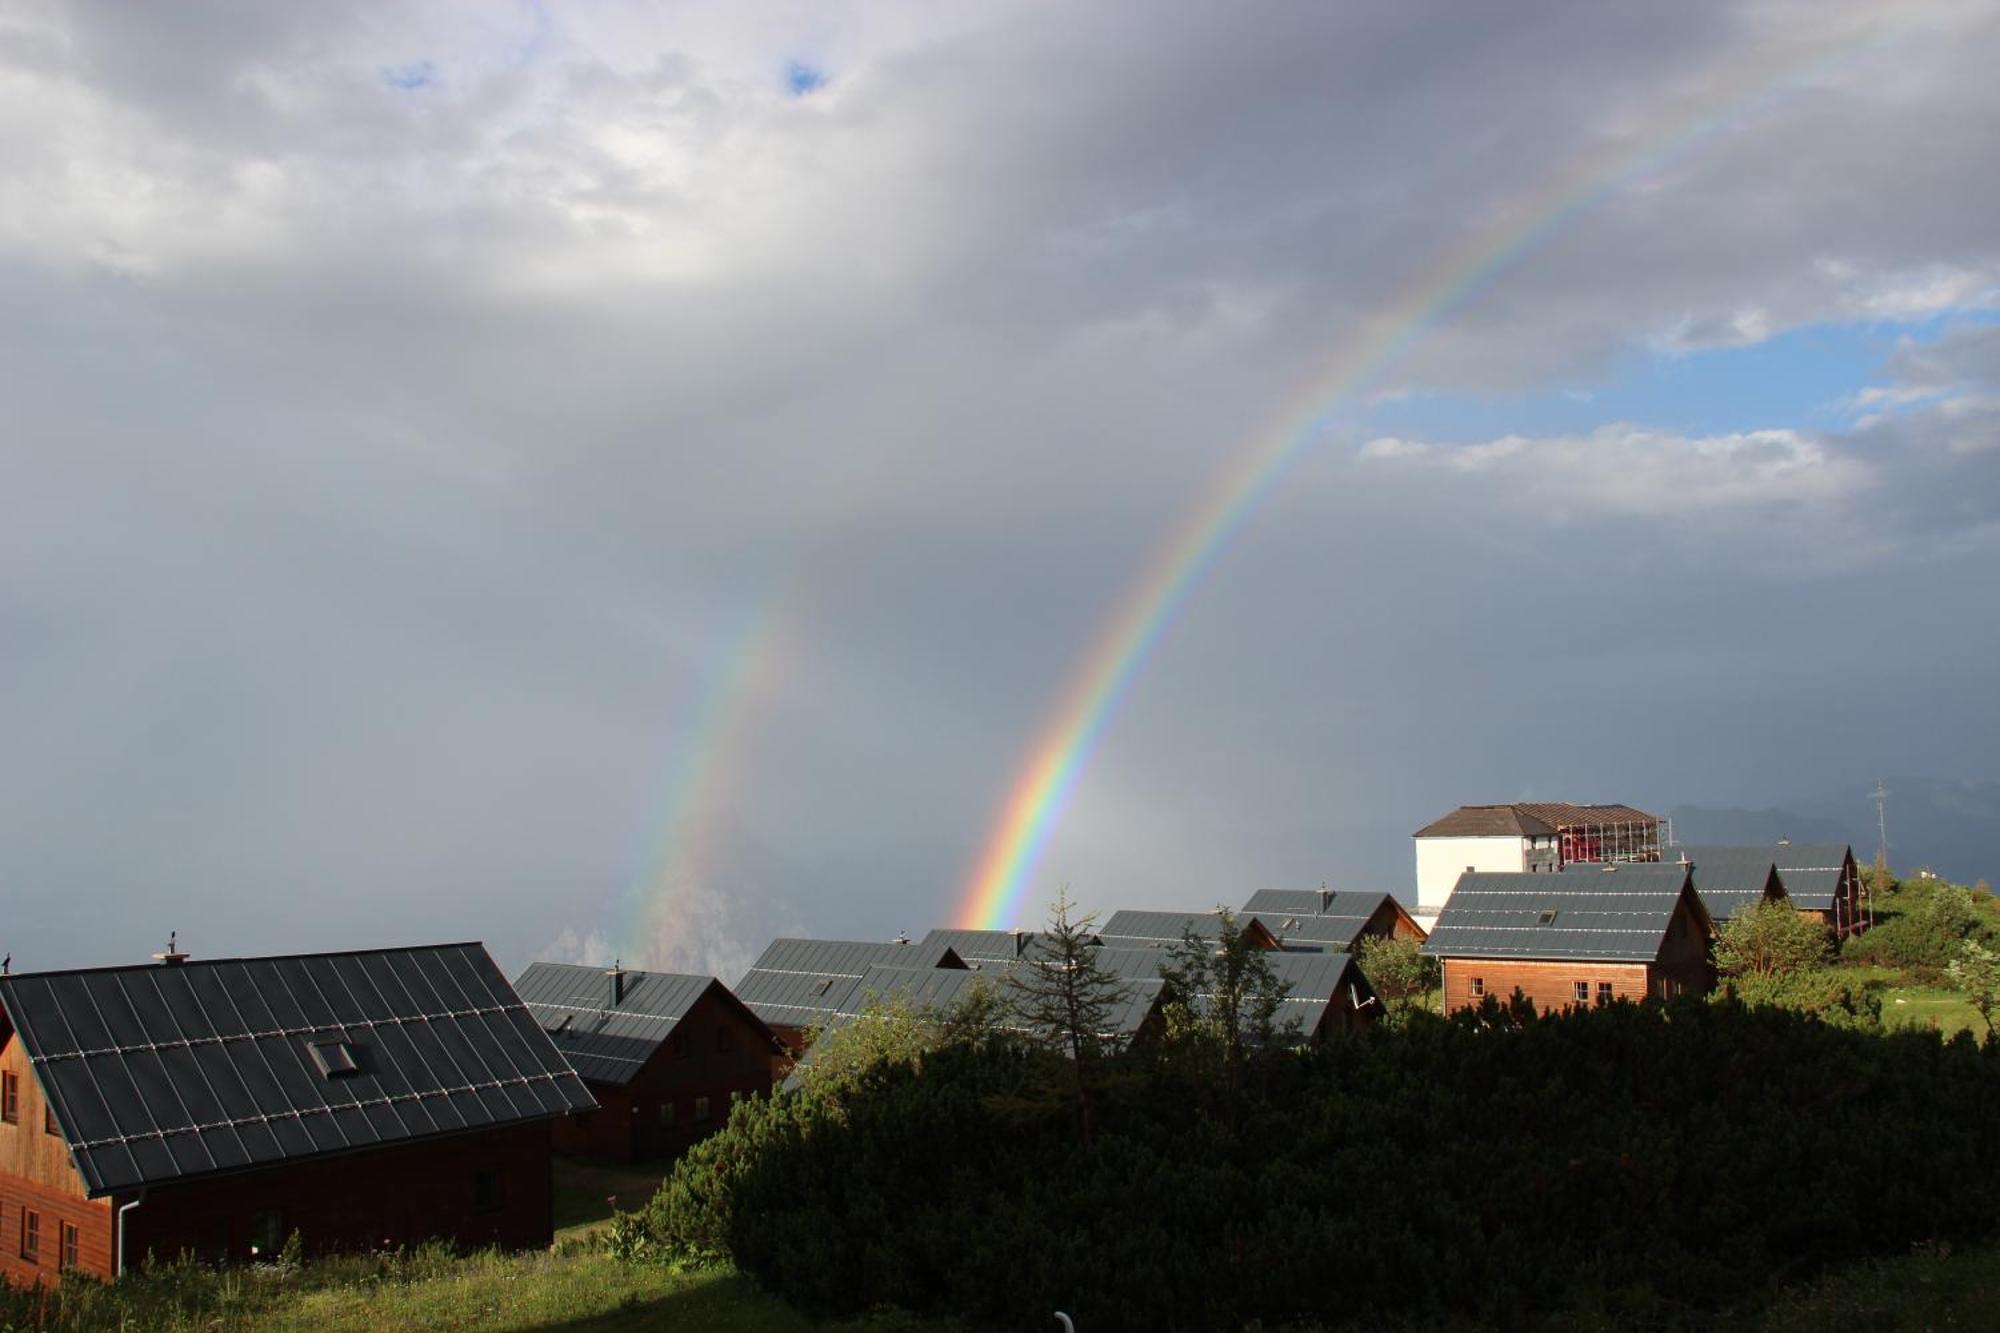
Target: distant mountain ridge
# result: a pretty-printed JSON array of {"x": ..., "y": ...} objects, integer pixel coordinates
[{"x": 1950, "y": 827}]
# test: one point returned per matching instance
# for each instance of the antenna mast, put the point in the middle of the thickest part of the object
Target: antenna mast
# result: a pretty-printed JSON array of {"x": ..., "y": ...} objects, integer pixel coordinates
[{"x": 1881, "y": 833}]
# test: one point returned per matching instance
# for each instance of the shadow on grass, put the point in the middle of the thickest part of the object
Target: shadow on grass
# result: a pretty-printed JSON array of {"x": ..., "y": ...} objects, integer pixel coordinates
[{"x": 731, "y": 1303}]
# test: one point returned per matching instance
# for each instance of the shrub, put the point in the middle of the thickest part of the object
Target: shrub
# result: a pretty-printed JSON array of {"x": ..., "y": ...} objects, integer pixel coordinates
[{"x": 1653, "y": 1163}]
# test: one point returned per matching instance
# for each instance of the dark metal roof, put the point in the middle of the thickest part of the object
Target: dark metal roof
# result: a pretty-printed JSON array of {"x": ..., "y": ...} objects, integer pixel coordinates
[
  {"x": 1130, "y": 929},
  {"x": 1341, "y": 922},
  {"x": 606, "y": 1042},
  {"x": 1729, "y": 883},
  {"x": 160, "y": 1073},
  {"x": 797, "y": 983},
  {"x": 1810, "y": 873},
  {"x": 984, "y": 946},
  {"x": 1620, "y": 911},
  {"x": 936, "y": 988}
]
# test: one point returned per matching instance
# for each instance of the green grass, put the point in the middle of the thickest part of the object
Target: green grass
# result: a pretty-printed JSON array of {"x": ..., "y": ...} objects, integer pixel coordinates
[
  {"x": 1933, "y": 1288},
  {"x": 573, "y": 1288},
  {"x": 1925, "y": 1006},
  {"x": 584, "y": 1192}
]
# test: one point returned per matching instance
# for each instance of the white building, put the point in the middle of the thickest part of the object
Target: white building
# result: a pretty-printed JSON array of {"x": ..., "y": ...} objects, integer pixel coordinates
[{"x": 1523, "y": 837}]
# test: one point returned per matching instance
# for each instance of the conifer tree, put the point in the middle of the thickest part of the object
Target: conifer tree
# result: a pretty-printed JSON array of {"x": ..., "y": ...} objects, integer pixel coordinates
[{"x": 1064, "y": 1000}]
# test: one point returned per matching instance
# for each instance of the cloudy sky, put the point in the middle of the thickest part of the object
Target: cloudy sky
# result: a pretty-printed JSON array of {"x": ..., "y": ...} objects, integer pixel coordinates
[{"x": 631, "y": 478}]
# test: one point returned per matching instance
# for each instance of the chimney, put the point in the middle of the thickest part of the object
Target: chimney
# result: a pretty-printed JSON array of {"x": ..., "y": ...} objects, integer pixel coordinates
[
  {"x": 1020, "y": 941},
  {"x": 1325, "y": 897},
  {"x": 171, "y": 956},
  {"x": 617, "y": 978}
]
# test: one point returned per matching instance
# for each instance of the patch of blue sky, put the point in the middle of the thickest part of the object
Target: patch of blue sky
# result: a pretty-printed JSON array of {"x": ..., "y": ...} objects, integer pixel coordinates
[
  {"x": 802, "y": 79},
  {"x": 1805, "y": 378},
  {"x": 412, "y": 76}
]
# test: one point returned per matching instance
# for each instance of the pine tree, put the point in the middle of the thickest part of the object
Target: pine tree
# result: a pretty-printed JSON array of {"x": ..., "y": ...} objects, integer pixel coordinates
[{"x": 1064, "y": 1000}]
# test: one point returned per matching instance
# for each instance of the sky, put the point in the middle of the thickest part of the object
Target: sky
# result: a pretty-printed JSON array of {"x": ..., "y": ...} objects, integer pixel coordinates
[{"x": 628, "y": 480}]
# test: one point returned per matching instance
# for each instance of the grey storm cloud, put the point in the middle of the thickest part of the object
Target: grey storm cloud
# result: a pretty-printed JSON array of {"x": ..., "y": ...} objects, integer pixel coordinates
[{"x": 394, "y": 463}]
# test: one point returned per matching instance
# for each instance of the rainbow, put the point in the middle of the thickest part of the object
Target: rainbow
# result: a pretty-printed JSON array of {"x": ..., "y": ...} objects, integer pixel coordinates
[
  {"x": 994, "y": 889},
  {"x": 705, "y": 771}
]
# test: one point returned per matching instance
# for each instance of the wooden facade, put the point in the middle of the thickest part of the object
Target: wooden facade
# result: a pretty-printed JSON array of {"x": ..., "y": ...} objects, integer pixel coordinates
[
  {"x": 717, "y": 1054},
  {"x": 40, "y": 1187},
  {"x": 1682, "y": 967}
]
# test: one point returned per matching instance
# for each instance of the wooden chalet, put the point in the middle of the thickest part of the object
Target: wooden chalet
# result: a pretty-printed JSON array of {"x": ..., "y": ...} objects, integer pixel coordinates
[
  {"x": 1585, "y": 936},
  {"x": 1321, "y": 920},
  {"x": 383, "y": 1097},
  {"x": 664, "y": 1054},
  {"x": 1820, "y": 878},
  {"x": 797, "y": 985}
]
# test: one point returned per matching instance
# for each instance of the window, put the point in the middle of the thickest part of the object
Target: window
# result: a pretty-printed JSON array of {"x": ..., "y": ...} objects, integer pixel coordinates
[
  {"x": 334, "y": 1059},
  {"x": 666, "y": 1115},
  {"x": 267, "y": 1232},
  {"x": 1604, "y": 992},
  {"x": 1580, "y": 990},
  {"x": 31, "y": 1236},
  {"x": 49, "y": 1121},
  {"x": 725, "y": 1040},
  {"x": 10, "y": 1097},
  {"x": 1478, "y": 987},
  {"x": 487, "y": 1196},
  {"x": 735, "y": 1096},
  {"x": 700, "y": 1109},
  {"x": 68, "y": 1246},
  {"x": 1547, "y": 918},
  {"x": 680, "y": 1045}
]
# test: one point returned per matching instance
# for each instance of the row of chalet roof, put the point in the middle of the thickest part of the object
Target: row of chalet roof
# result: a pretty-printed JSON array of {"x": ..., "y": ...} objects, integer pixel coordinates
[
  {"x": 165, "y": 1073},
  {"x": 799, "y": 984}
]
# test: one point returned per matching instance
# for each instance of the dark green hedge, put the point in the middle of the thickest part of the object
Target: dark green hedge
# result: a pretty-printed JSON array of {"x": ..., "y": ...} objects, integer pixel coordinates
[{"x": 1655, "y": 1165}]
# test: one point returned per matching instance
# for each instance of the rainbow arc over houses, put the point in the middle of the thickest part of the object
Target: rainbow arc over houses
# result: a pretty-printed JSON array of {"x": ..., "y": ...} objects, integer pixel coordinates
[{"x": 994, "y": 891}]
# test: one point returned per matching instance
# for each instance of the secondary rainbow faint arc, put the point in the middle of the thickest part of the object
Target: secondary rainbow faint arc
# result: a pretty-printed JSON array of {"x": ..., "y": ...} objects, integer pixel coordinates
[
  {"x": 706, "y": 767},
  {"x": 993, "y": 894}
]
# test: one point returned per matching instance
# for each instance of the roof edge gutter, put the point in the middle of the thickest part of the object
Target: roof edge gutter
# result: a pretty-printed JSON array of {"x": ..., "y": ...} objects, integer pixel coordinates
[{"x": 123, "y": 1209}]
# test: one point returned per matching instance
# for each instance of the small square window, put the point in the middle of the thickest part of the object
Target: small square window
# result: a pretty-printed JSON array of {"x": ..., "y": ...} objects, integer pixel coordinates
[
  {"x": 680, "y": 1045},
  {"x": 823, "y": 986},
  {"x": 1604, "y": 992},
  {"x": 1547, "y": 918},
  {"x": 69, "y": 1239},
  {"x": 1580, "y": 990},
  {"x": 666, "y": 1115},
  {"x": 735, "y": 1096},
  {"x": 1478, "y": 986},
  {"x": 700, "y": 1110},
  {"x": 725, "y": 1040},
  {"x": 49, "y": 1121},
  {"x": 10, "y": 1097}
]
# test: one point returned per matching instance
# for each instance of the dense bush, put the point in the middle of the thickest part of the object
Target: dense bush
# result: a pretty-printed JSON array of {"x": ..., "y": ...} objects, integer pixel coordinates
[
  {"x": 1655, "y": 1164},
  {"x": 1920, "y": 928}
]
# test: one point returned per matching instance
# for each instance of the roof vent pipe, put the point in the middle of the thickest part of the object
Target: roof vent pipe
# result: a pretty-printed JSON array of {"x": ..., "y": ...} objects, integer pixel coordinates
[
  {"x": 171, "y": 956},
  {"x": 616, "y": 976}
]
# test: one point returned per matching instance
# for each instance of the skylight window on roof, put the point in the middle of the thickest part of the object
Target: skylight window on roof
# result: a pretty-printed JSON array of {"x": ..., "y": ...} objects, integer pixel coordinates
[
  {"x": 335, "y": 1059},
  {"x": 822, "y": 987},
  {"x": 556, "y": 1029},
  {"x": 1547, "y": 918}
]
